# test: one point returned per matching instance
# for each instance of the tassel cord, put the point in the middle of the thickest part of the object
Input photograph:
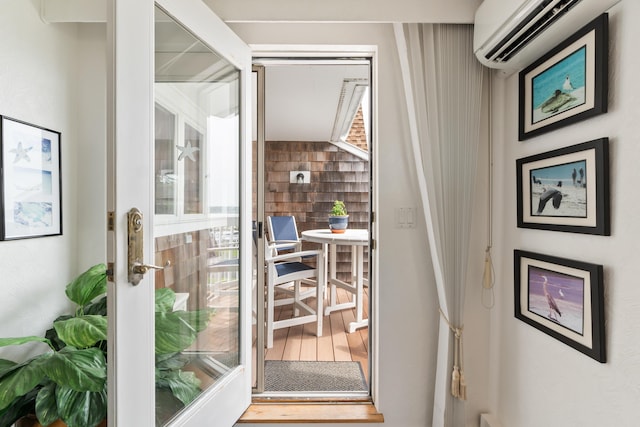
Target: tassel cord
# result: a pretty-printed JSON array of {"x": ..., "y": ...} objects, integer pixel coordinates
[{"x": 458, "y": 384}]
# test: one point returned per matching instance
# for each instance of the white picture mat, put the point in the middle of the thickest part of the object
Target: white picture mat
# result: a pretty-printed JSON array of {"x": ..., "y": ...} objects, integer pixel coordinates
[
  {"x": 31, "y": 180},
  {"x": 587, "y": 40},
  {"x": 589, "y": 156},
  {"x": 586, "y": 339}
]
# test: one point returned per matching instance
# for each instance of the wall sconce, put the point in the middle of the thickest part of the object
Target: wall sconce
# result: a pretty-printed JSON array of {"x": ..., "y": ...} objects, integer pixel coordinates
[{"x": 299, "y": 177}]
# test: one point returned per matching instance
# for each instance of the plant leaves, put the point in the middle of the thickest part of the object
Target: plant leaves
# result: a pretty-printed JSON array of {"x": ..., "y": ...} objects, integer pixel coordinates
[
  {"x": 198, "y": 319},
  {"x": 81, "y": 409},
  {"x": 22, "y": 378},
  {"x": 22, "y": 340},
  {"x": 80, "y": 370},
  {"x": 183, "y": 384},
  {"x": 21, "y": 406},
  {"x": 176, "y": 331},
  {"x": 172, "y": 334},
  {"x": 46, "y": 406},
  {"x": 6, "y": 366},
  {"x": 172, "y": 361},
  {"x": 97, "y": 307},
  {"x": 165, "y": 299},
  {"x": 82, "y": 331},
  {"x": 88, "y": 285},
  {"x": 52, "y": 335}
]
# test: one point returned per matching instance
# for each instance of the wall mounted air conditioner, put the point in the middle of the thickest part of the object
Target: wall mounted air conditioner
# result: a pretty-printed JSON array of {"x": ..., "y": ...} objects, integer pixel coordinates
[{"x": 511, "y": 34}]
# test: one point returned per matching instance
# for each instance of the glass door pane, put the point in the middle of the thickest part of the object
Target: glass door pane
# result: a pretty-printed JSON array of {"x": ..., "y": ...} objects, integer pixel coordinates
[{"x": 197, "y": 228}]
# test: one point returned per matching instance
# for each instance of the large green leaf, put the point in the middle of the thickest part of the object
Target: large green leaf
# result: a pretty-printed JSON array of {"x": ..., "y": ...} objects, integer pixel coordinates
[
  {"x": 165, "y": 299},
  {"x": 6, "y": 366},
  {"x": 88, "y": 285},
  {"x": 21, "y": 406},
  {"x": 22, "y": 340},
  {"x": 171, "y": 361},
  {"x": 81, "y": 409},
  {"x": 46, "y": 406},
  {"x": 176, "y": 331},
  {"x": 172, "y": 333},
  {"x": 52, "y": 335},
  {"x": 99, "y": 306},
  {"x": 22, "y": 378},
  {"x": 198, "y": 319},
  {"x": 183, "y": 384},
  {"x": 80, "y": 370},
  {"x": 82, "y": 331}
]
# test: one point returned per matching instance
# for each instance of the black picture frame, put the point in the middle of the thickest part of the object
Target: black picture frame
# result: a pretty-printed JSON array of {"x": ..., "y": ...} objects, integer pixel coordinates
[
  {"x": 575, "y": 288},
  {"x": 30, "y": 181},
  {"x": 568, "y": 84},
  {"x": 566, "y": 189}
]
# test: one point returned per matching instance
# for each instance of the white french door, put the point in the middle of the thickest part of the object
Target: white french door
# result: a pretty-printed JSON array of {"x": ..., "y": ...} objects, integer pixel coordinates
[{"x": 179, "y": 152}]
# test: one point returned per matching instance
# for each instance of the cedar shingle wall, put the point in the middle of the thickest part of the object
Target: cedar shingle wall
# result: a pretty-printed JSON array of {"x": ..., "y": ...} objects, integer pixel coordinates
[
  {"x": 335, "y": 174},
  {"x": 184, "y": 257}
]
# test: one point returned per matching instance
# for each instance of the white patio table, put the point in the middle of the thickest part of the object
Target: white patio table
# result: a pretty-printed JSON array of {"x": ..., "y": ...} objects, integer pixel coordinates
[{"x": 357, "y": 239}]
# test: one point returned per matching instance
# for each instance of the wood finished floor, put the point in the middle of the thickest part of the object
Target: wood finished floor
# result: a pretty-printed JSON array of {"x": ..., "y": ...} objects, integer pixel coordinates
[
  {"x": 298, "y": 343},
  {"x": 336, "y": 343}
]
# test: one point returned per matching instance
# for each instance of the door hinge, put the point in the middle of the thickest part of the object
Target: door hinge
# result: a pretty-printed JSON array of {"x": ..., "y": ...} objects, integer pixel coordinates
[
  {"x": 373, "y": 244},
  {"x": 110, "y": 271},
  {"x": 111, "y": 221},
  {"x": 373, "y": 217}
]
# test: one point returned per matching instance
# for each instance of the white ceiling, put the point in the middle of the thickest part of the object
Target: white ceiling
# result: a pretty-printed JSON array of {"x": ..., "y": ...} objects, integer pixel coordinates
[
  {"x": 301, "y": 95},
  {"x": 446, "y": 11},
  {"x": 301, "y": 100}
]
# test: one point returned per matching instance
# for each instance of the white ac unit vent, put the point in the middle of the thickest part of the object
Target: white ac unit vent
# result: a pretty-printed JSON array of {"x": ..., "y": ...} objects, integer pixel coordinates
[{"x": 509, "y": 35}]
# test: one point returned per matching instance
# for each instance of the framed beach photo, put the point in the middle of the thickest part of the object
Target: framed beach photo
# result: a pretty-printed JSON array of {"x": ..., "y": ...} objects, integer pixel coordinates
[
  {"x": 568, "y": 84},
  {"x": 562, "y": 298},
  {"x": 31, "y": 198},
  {"x": 566, "y": 189}
]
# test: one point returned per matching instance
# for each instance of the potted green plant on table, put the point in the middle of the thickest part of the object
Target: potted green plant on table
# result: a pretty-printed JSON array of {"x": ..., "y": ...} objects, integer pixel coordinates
[
  {"x": 338, "y": 217},
  {"x": 68, "y": 381}
]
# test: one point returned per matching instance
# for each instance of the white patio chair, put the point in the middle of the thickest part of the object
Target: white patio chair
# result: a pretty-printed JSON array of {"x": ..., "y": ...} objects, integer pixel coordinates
[{"x": 286, "y": 272}]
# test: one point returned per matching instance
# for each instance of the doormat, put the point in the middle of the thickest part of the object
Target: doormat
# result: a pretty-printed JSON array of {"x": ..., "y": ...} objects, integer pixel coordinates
[{"x": 284, "y": 375}]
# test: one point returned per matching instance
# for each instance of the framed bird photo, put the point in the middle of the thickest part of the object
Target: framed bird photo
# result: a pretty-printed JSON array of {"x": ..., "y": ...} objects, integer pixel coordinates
[
  {"x": 568, "y": 84},
  {"x": 566, "y": 189},
  {"x": 30, "y": 190},
  {"x": 562, "y": 298}
]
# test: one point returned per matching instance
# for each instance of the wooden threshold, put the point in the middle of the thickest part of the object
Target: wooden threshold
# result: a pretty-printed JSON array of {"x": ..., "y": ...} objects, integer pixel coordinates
[{"x": 312, "y": 413}]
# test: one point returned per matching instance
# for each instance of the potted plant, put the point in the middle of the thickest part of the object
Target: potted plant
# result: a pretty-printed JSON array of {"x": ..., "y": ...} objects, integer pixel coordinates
[
  {"x": 338, "y": 217},
  {"x": 68, "y": 381}
]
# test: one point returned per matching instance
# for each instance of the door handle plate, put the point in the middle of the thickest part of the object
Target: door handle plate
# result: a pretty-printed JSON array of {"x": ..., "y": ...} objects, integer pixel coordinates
[{"x": 136, "y": 266}]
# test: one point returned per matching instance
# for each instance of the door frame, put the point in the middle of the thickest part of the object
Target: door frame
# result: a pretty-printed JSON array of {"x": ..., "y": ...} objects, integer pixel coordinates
[{"x": 295, "y": 53}]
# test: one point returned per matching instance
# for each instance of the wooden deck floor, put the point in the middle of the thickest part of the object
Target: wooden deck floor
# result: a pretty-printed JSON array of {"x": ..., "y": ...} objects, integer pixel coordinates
[
  {"x": 298, "y": 343},
  {"x": 335, "y": 344}
]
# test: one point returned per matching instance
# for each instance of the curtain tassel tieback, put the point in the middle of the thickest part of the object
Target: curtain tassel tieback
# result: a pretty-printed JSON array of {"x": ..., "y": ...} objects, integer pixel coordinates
[{"x": 458, "y": 384}]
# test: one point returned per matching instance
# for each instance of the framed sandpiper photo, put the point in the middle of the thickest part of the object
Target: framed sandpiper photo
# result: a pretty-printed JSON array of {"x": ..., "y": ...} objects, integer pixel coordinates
[
  {"x": 30, "y": 181},
  {"x": 568, "y": 84},
  {"x": 562, "y": 298},
  {"x": 566, "y": 189}
]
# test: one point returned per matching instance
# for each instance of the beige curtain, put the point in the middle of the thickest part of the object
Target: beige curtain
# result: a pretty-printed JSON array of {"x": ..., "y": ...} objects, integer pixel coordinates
[{"x": 443, "y": 89}]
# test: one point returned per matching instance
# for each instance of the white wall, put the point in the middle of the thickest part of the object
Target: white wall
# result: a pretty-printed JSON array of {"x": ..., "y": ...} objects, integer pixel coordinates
[
  {"x": 40, "y": 82},
  {"x": 37, "y": 86},
  {"x": 408, "y": 303},
  {"x": 537, "y": 380},
  {"x": 53, "y": 75}
]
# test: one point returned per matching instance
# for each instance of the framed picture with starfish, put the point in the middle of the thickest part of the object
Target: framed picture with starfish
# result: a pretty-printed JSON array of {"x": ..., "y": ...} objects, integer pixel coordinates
[
  {"x": 562, "y": 298},
  {"x": 30, "y": 190}
]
